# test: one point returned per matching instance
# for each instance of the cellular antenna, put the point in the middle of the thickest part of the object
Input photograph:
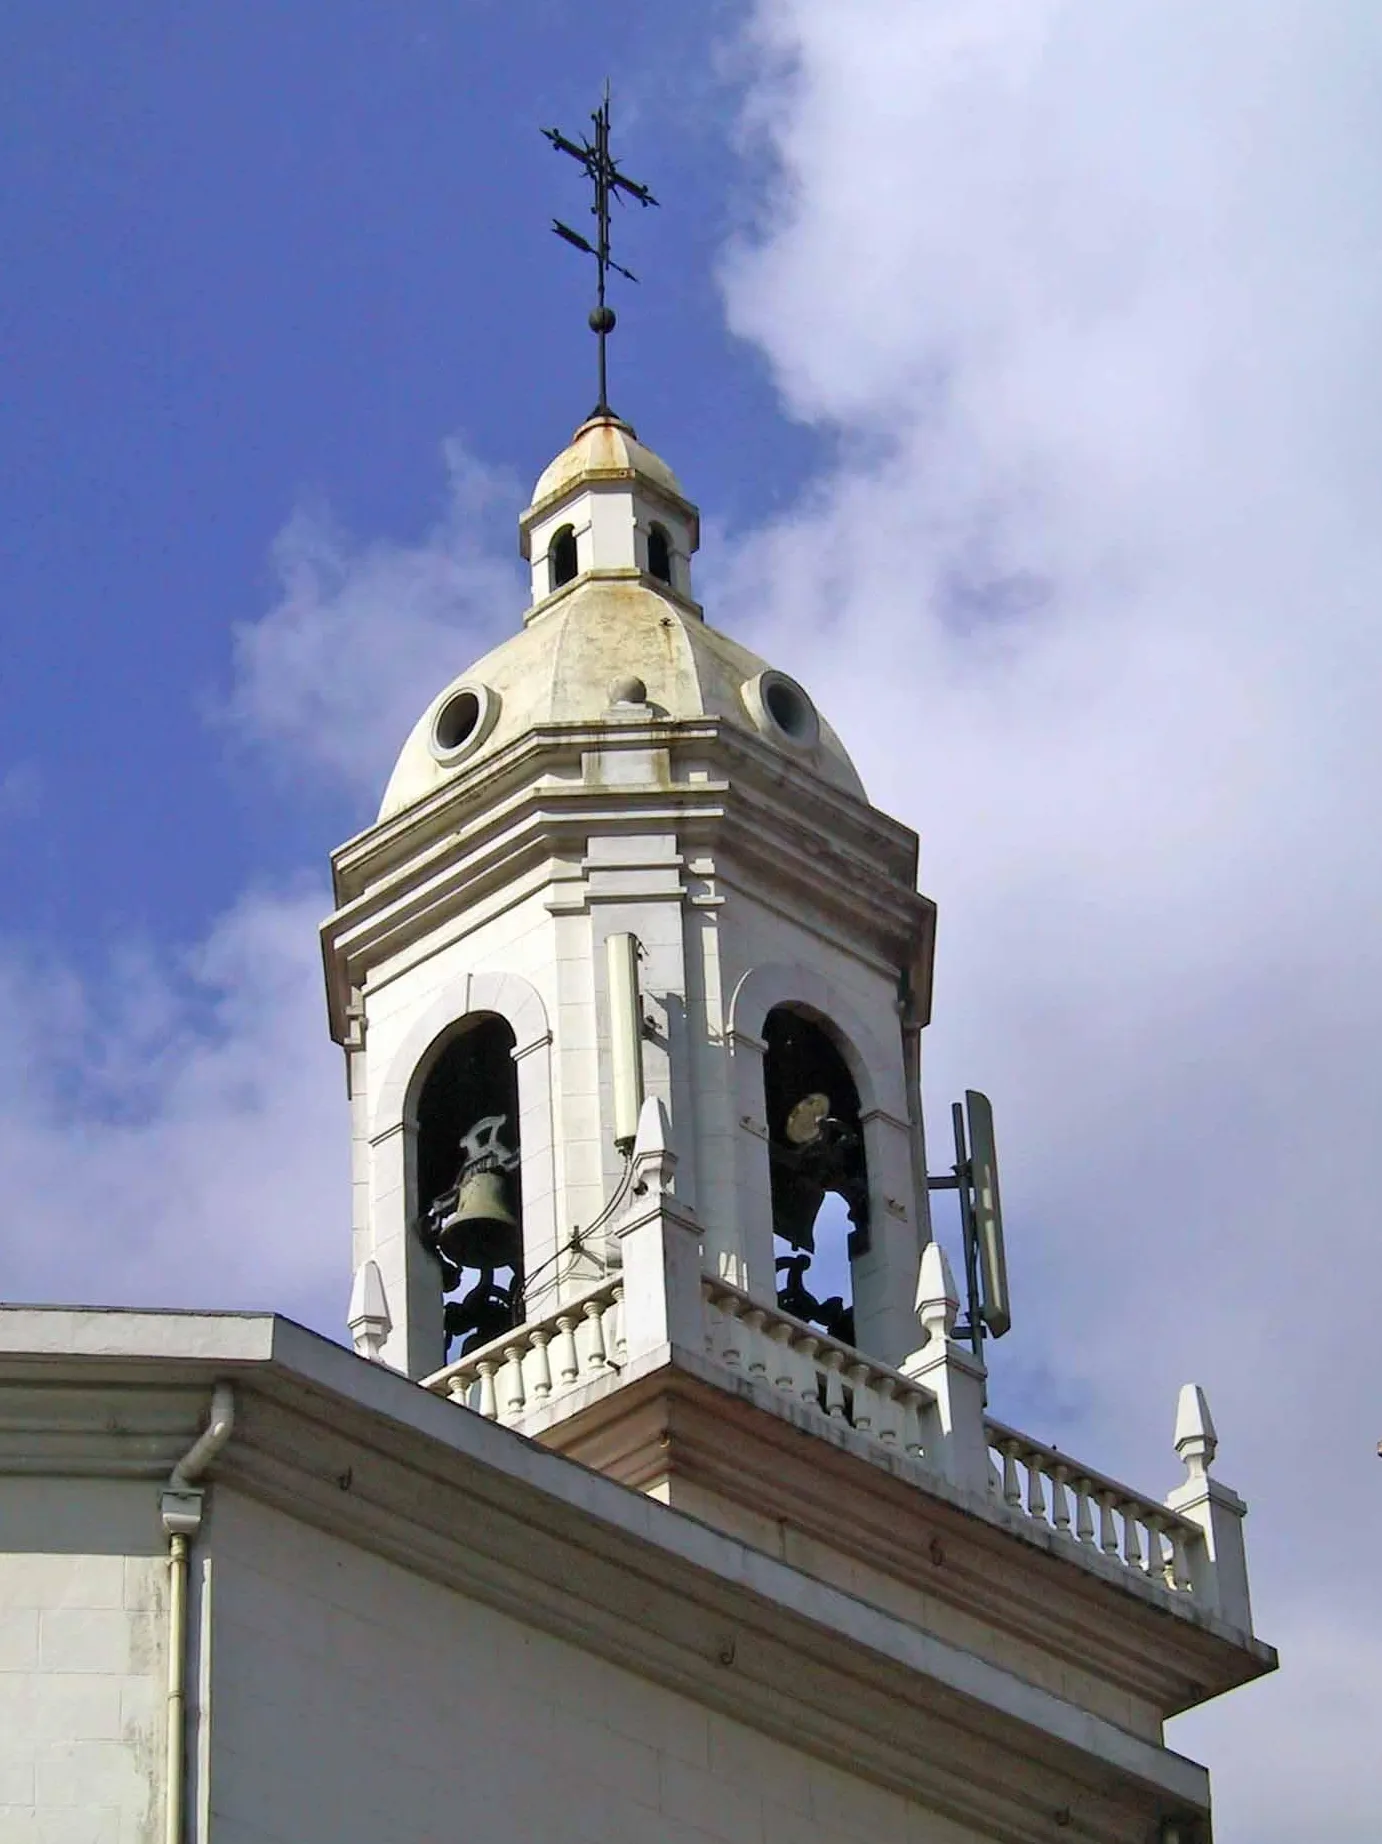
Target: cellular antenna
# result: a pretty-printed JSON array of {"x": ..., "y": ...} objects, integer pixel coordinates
[
  {"x": 974, "y": 1176},
  {"x": 608, "y": 183}
]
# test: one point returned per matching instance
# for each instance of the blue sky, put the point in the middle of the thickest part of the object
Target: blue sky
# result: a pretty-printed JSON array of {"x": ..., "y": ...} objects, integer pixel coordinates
[
  {"x": 265, "y": 255},
  {"x": 1022, "y": 356}
]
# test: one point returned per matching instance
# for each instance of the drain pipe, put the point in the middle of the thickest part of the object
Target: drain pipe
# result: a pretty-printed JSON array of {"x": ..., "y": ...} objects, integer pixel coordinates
[{"x": 181, "y": 1509}]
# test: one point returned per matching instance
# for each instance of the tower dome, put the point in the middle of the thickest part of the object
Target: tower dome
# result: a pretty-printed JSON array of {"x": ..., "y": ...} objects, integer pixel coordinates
[{"x": 609, "y": 536}]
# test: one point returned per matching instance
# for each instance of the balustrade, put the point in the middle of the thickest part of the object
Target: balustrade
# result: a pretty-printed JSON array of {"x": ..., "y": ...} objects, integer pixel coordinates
[
  {"x": 532, "y": 1365},
  {"x": 1038, "y": 1484},
  {"x": 813, "y": 1372},
  {"x": 1094, "y": 1519}
]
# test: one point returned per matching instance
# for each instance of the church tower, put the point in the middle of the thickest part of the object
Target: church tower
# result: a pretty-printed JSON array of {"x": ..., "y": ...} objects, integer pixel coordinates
[{"x": 622, "y": 860}]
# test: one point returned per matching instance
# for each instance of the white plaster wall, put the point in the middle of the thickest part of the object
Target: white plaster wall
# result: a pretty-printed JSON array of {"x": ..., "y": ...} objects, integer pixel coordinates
[
  {"x": 82, "y": 1662},
  {"x": 352, "y": 1701}
]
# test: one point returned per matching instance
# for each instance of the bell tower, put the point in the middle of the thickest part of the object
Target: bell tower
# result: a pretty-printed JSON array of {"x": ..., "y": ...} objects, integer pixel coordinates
[
  {"x": 631, "y": 978},
  {"x": 624, "y": 862}
]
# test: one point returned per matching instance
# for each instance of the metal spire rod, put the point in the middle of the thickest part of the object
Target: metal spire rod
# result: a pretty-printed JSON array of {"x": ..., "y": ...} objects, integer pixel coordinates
[{"x": 608, "y": 183}]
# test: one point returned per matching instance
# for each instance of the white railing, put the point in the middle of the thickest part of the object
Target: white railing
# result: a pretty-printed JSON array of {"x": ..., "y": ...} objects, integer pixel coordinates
[
  {"x": 536, "y": 1363},
  {"x": 1098, "y": 1521},
  {"x": 807, "y": 1368},
  {"x": 1095, "y": 1514}
]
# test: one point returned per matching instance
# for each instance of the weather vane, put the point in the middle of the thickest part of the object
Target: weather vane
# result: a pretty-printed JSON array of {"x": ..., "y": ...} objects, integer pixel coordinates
[{"x": 609, "y": 183}]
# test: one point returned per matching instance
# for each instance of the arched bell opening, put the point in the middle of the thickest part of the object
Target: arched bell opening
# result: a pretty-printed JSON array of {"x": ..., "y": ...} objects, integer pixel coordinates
[
  {"x": 659, "y": 553},
  {"x": 469, "y": 1196},
  {"x": 817, "y": 1170},
  {"x": 562, "y": 562}
]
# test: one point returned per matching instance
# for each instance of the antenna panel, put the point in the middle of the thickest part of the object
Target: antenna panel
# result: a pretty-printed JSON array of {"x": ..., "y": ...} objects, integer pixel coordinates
[
  {"x": 988, "y": 1214},
  {"x": 625, "y": 1036}
]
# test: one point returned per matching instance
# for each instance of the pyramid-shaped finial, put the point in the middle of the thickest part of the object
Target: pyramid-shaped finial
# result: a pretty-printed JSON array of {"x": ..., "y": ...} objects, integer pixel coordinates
[
  {"x": 1196, "y": 1441},
  {"x": 369, "y": 1318},
  {"x": 938, "y": 1301},
  {"x": 654, "y": 1157}
]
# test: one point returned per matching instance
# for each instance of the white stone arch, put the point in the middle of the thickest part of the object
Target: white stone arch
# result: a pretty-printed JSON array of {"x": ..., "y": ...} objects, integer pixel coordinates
[
  {"x": 509, "y": 995},
  {"x": 393, "y": 1130},
  {"x": 884, "y": 1279},
  {"x": 876, "y": 1069}
]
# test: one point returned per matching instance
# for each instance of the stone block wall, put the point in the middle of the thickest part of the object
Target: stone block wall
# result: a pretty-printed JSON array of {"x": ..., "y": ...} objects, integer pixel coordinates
[
  {"x": 82, "y": 1663},
  {"x": 353, "y": 1700}
]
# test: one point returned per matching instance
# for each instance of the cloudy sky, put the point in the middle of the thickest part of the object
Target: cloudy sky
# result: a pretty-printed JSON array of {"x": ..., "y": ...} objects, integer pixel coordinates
[{"x": 1022, "y": 355}]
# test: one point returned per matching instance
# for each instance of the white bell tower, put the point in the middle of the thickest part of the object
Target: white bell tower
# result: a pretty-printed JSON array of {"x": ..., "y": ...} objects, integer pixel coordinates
[{"x": 622, "y": 858}]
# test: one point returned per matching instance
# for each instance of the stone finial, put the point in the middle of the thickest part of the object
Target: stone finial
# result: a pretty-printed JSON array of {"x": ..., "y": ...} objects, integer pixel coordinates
[
  {"x": 1196, "y": 1441},
  {"x": 938, "y": 1301},
  {"x": 654, "y": 1158},
  {"x": 369, "y": 1318}
]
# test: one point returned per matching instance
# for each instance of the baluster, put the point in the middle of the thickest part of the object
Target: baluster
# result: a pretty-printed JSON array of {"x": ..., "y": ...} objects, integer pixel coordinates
[
  {"x": 1132, "y": 1549},
  {"x": 489, "y": 1404},
  {"x": 607, "y": 1314},
  {"x": 1181, "y": 1577},
  {"x": 806, "y": 1348},
  {"x": 784, "y": 1370},
  {"x": 911, "y": 1425},
  {"x": 731, "y": 1346},
  {"x": 595, "y": 1358},
  {"x": 1084, "y": 1520},
  {"x": 1060, "y": 1502},
  {"x": 885, "y": 1391},
  {"x": 459, "y": 1387},
  {"x": 539, "y": 1365},
  {"x": 863, "y": 1398},
  {"x": 1155, "y": 1562},
  {"x": 1012, "y": 1485},
  {"x": 514, "y": 1399},
  {"x": 1036, "y": 1487},
  {"x": 711, "y": 1316},
  {"x": 568, "y": 1362},
  {"x": 834, "y": 1385},
  {"x": 619, "y": 1343},
  {"x": 1108, "y": 1530},
  {"x": 755, "y": 1353}
]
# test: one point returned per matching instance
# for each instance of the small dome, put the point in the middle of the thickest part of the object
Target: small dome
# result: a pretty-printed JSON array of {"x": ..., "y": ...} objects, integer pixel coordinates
[
  {"x": 603, "y": 449},
  {"x": 563, "y": 666}
]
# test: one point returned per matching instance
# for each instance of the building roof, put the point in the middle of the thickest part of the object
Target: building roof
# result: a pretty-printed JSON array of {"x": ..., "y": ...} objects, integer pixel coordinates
[
  {"x": 565, "y": 667},
  {"x": 603, "y": 448}
]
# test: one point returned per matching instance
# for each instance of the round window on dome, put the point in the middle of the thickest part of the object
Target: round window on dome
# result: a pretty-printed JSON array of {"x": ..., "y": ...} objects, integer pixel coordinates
[
  {"x": 465, "y": 719},
  {"x": 782, "y": 710}
]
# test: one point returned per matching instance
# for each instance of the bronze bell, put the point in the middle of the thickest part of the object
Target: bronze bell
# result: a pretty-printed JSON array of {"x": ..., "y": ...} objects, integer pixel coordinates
[{"x": 482, "y": 1231}]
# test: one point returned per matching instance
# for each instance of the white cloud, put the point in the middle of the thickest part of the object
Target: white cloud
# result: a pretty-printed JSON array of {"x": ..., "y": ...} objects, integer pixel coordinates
[
  {"x": 1090, "y": 295},
  {"x": 364, "y": 635},
  {"x": 176, "y": 1134}
]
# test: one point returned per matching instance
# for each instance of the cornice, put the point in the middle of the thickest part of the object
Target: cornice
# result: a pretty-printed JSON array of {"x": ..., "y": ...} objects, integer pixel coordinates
[
  {"x": 401, "y": 885},
  {"x": 556, "y": 751},
  {"x": 680, "y": 1425}
]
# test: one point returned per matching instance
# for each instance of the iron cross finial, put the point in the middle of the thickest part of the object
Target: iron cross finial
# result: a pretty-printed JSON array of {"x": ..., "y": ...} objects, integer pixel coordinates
[{"x": 609, "y": 183}]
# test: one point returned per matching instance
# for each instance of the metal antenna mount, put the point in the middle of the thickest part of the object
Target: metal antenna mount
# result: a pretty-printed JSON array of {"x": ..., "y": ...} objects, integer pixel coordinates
[{"x": 608, "y": 182}]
